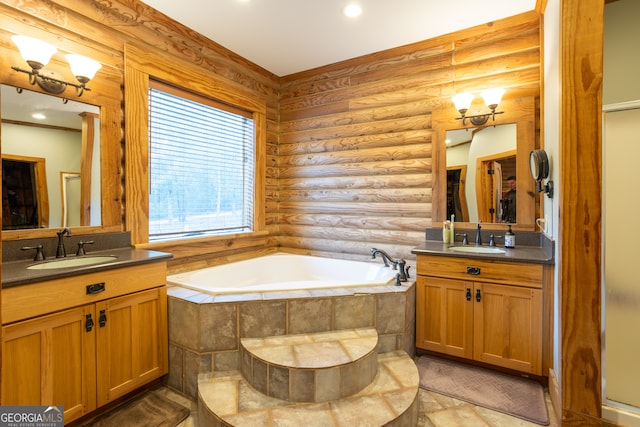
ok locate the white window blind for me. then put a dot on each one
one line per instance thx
(201, 157)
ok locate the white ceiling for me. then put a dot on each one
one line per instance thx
(288, 36)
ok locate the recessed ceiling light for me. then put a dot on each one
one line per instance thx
(38, 116)
(352, 10)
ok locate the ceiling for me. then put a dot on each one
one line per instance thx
(289, 36)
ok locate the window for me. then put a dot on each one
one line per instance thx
(201, 166)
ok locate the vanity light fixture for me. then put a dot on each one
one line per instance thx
(37, 54)
(491, 97)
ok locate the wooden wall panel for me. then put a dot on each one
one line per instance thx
(355, 143)
(349, 146)
(580, 212)
(101, 30)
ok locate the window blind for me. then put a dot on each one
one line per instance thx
(201, 168)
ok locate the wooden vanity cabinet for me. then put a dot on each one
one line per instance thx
(131, 348)
(50, 360)
(88, 355)
(489, 311)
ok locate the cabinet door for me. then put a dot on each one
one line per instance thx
(508, 327)
(46, 361)
(444, 316)
(132, 345)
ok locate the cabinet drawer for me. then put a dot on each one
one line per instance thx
(26, 301)
(479, 270)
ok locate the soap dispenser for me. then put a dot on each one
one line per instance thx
(509, 238)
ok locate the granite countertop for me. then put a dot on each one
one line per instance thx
(15, 273)
(535, 248)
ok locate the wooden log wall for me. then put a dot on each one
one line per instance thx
(355, 146)
(348, 145)
(101, 29)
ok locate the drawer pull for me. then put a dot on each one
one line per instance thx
(88, 325)
(96, 288)
(102, 319)
(478, 297)
(473, 270)
(468, 294)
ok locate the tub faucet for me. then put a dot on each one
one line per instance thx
(398, 264)
(385, 257)
(61, 251)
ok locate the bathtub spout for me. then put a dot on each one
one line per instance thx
(385, 257)
(399, 264)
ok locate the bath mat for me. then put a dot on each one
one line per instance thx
(509, 394)
(148, 410)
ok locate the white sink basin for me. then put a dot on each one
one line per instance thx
(71, 262)
(477, 249)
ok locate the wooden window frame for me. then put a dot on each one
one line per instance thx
(141, 66)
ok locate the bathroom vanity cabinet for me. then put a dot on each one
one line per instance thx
(490, 311)
(85, 340)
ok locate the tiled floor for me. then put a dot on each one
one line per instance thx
(435, 411)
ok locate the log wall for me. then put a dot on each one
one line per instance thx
(355, 144)
(349, 146)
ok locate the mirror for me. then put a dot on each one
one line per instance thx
(481, 174)
(65, 142)
(539, 165)
(506, 144)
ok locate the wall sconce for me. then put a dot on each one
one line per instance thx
(38, 53)
(491, 97)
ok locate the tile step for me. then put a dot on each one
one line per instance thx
(311, 367)
(225, 398)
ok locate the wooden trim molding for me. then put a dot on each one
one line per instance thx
(580, 209)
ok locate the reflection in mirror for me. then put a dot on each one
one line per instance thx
(70, 183)
(65, 139)
(24, 192)
(480, 163)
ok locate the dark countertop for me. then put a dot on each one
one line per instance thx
(538, 248)
(529, 254)
(16, 273)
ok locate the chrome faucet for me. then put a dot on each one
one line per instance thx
(61, 251)
(398, 264)
(478, 236)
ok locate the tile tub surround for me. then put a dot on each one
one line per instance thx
(205, 330)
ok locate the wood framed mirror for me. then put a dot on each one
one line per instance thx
(106, 95)
(520, 112)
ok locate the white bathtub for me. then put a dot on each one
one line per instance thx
(284, 272)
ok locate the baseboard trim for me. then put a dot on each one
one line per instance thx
(554, 394)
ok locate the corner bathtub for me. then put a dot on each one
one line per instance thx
(284, 272)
